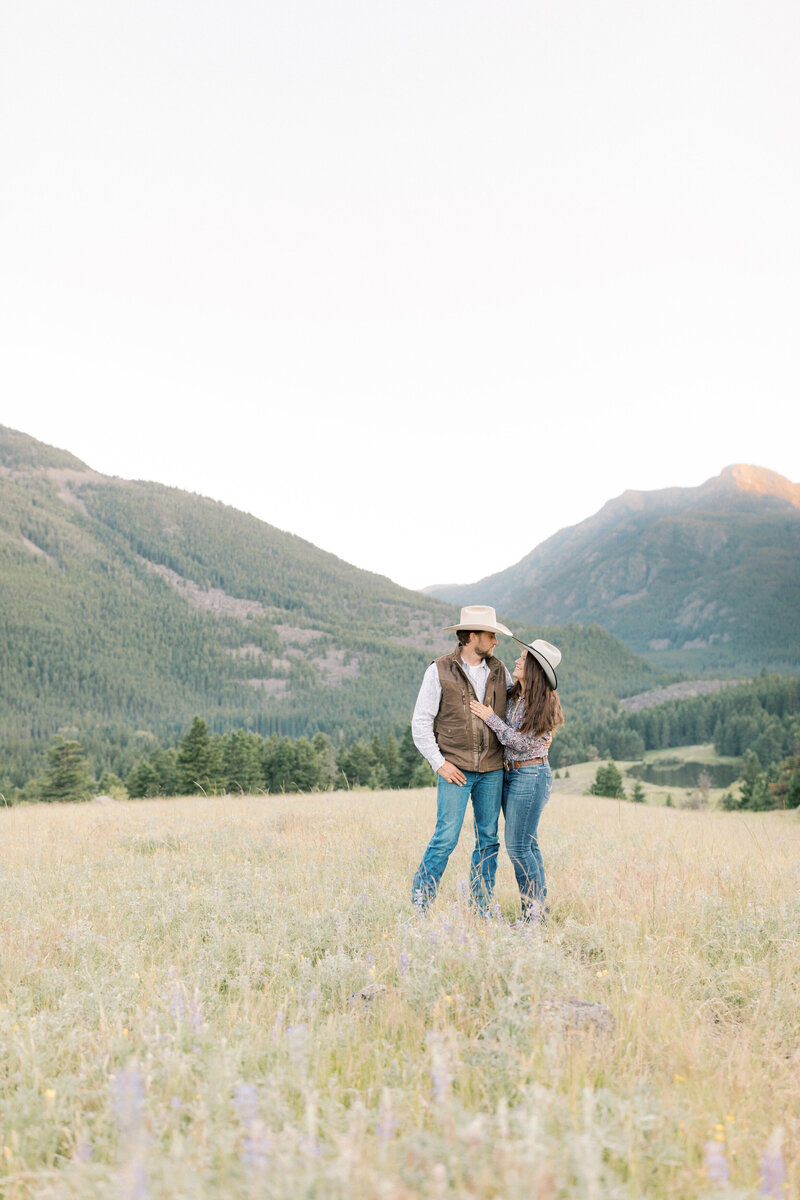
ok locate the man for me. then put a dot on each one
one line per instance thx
(463, 751)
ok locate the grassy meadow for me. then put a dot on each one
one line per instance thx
(233, 998)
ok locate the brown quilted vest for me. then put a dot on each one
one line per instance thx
(463, 738)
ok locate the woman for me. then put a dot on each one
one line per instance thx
(532, 713)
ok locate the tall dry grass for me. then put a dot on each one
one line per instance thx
(181, 1008)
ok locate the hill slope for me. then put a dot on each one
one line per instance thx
(130, 604)
(704, 578)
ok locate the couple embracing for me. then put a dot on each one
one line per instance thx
(487, 734)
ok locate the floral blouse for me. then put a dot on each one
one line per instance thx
(518, 747)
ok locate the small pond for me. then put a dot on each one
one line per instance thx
(686, 774)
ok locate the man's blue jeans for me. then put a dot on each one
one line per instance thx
(486, 789)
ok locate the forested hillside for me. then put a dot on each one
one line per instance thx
(703, 579)
(130, 606)
(761, 716)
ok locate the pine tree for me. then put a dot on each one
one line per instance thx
(608, 782)
(241, 763)
(143, 780)
(638, 793)
(326, 761)
(408, 760)
(68, 774)
(198, 766)
(754, 789)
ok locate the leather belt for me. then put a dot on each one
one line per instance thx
(515, 764)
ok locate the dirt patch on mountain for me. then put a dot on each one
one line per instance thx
(209, 599)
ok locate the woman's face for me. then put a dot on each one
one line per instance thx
(519, 667)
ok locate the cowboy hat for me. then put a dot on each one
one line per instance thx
(547, 655)
(480, 618)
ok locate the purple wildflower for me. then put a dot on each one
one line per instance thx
(245, 1101)
(195, 1014)
(715, 1162)
(441, 1078)
(127, 1100)
(138, 1182)
(297, 1041)
(773, 1167)
(387, 1122)
(177, 996)
(83, 1151)
(277, 1027)
(255, 1151)
(440, 1082)
(404, 961)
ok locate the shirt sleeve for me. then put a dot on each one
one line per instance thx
(522, 743)
(425, 710)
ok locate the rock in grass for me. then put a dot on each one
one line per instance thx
(566, 1013)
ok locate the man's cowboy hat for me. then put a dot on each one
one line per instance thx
(547, 655)
(480, 618)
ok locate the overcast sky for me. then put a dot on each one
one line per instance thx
(422, 282)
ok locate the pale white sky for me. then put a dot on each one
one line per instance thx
(422, 282)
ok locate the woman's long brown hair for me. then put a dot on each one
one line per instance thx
(542, 706)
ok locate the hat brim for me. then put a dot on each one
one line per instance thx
(479, 628)
(552, 678)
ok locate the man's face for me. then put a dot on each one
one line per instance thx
(484, 644)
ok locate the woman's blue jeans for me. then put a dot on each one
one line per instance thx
(525, 793)
(486, 790)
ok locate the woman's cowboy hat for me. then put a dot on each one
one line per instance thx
(480, 618)
(547, 655)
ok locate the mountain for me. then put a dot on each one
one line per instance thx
(695, 579)
(134, 606)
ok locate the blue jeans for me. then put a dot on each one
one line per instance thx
(525, 793)
(486, 789)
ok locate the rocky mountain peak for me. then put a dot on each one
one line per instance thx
(756, 481)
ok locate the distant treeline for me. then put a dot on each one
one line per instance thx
(759, 719)
(762, 716)
(244, 762)
(237, 762)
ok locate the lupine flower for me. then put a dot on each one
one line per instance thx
(177, 996)
(387, 1122)
(127, 1100)
(441, 1077)
(83, 1151)
(404, 961)
(245, 1101)
(195, 1014)
(773, 1167)
(255, 1145)
(715, 1162)
(137, 1183)
(128, 1103)
(297, 1041)
(255, 1151)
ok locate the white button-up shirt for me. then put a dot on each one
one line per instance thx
(427, 707)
